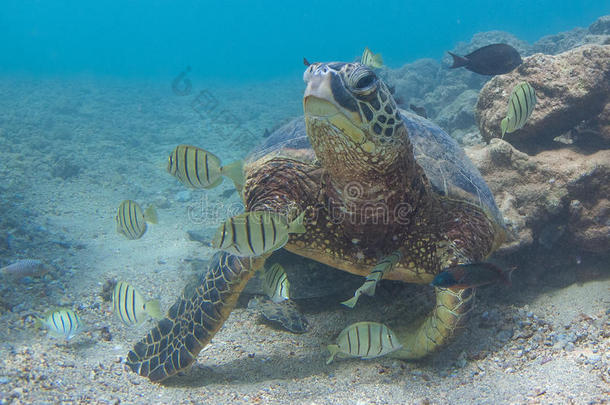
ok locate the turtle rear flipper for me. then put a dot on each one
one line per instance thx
(172, 346)
(449, 314)
(284, 313)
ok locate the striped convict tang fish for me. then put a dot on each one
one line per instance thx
(520, 106)
(62, 322)
(366, 340)
(276, 284)
(131, 220)
(255, 233)
(371, 60)
(130, 306)
(198, 168)
(384, 266)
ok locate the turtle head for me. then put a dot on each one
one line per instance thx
(351, 117)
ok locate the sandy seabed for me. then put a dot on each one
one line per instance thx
(71, 149)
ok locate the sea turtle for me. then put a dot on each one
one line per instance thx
(375, 182)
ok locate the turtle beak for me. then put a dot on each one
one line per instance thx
(318, 98)
(319, 101)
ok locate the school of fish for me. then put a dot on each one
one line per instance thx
(252, 234)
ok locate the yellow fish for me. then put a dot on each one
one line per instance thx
(131, 220)
(61, 322)
(366, 340)
(371, 60)
(198, 168)
(276, 284)
(255, 233)
(130, 306)
(520, 106)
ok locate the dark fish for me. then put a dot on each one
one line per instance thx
(421, 111)
(471, 275)
(305, 61)
(495, 59)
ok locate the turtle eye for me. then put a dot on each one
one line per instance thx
(363, 82)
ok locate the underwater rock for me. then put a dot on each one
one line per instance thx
(591, 225)
(561, 42)
(564, 41)
(563, 187)
(572, 88)
(460, 113)
(65, 168)
(413, 81)
(597, 33)
(601, 26)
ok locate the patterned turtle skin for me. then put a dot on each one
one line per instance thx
(373, 180)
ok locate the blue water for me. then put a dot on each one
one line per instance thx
(246, 39)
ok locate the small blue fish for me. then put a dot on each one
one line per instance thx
(471, 275)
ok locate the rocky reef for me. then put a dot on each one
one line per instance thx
(573, 98)
(597, 33)
(448, 94)
(550, 178)
(555, 197)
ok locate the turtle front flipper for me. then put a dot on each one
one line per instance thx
(450, 312)
(194, 319)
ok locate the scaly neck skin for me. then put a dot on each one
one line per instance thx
(376, 188)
